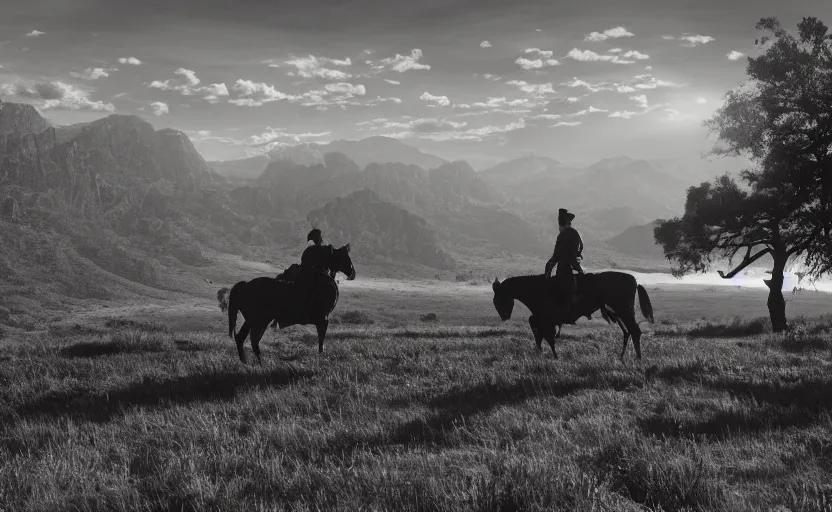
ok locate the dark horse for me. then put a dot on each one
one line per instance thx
(611, 292)
(266, 299)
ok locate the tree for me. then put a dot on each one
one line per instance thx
(782, 121)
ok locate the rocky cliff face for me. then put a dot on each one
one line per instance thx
(16, 118)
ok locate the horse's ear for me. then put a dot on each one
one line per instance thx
(347, 248)
(495, 284)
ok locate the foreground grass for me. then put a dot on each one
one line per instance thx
(127, 415)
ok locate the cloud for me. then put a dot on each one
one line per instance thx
(590, 110)
(648, 81)
(640, 100)
(672, 114)
(529, 64)
(615, 50)
(624, 114)
(576, 82)
(632, 54)
(189, 86)
(444, 130)
(565, 123)
(437, 101)
(159, 108)
(425, 125)
(489, 76)
(590, 56)
(255, 94)
(549, 117)
(485, 44)
(538, 51)
(313, 67)
(734, 55)
(611, 33)
(402, 63)
(93, 73)
(35, 33)
(701, 101)
(56, 96)
(346, 89)
(273, 137)
(690, 40)
(537, 90)
(696, 40)
(133, 61)
(394, 82)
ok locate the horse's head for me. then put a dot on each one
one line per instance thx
(503, 302)
(341, 262)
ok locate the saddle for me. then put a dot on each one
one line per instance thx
(584, 290)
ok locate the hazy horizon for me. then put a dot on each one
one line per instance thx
(475, 81)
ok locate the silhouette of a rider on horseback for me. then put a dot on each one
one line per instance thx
(567, 257)
(312, 264)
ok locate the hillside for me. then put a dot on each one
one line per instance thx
(638, 241)
(379, 230)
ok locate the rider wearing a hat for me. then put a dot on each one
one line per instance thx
(567, 256)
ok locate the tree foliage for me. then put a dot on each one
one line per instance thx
(781, 119)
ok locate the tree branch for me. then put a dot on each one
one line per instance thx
(745, 262)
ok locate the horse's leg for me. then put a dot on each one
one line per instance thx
(256, 336)
(538, 338)
(321, 325)
(635, 332)
(626, 337)
(549, 335)
(240, 339)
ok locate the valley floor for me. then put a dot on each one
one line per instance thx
(146, 407)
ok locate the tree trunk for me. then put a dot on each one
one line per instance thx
(776, 302)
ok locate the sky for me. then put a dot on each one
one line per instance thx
(479, 80)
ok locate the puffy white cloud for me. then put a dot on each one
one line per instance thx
(313, 67)
(188, 85)
(576, 82)
(133, 61)
(159, 108)
(485, 44)
(56, 95)
(543, 53)
(565, 123)
(434, 101)
(275, 136)
(624, 114)
(402, 63)
(346, 88)
(696, 40)
(641, 100)
(35, 33)
(611, 33)
(734, 55)
(93, 73)
(690, 40)
(394, 82)
(537, 90)
(590, 56)
(529, 64)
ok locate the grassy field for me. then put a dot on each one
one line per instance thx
(148, 408)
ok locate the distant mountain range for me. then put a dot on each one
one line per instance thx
(116, 204)
(379, 150)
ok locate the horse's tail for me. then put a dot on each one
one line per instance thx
(233, 307)
(645, 304)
